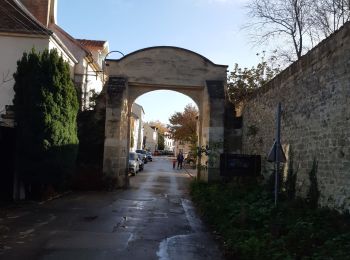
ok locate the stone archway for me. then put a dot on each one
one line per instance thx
(158, 68)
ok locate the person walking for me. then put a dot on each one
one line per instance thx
(180, 159)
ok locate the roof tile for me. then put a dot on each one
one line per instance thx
(14, 17)
(95, 44)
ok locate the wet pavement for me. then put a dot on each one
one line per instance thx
(154, 219)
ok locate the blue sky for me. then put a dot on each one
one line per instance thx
(211, 28)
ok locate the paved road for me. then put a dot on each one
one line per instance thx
(154, 219)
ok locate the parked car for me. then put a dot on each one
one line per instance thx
(144, 154)
(141, 162)
(190, 158)
(149, 156)
(170, 153)
(133, 163)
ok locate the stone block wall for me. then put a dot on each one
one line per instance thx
(116, 148)
(315, 97)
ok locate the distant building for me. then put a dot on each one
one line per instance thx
(150, 138)
(136, 127)
(169, 143)
(182, 146)
(28, 24)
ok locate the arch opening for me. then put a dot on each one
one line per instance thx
(163, 68)
(153, 110)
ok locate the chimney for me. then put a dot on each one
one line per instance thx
(53, 12)
(43, 10)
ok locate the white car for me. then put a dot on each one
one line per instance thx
(141, 162)
(133, 163)
(144, 154)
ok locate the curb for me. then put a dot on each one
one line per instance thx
(56, 197)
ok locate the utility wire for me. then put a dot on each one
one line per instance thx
(26, 17)
(22, 13)
(4, 11)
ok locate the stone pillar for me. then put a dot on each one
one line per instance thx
(216, 92)
(199, 130)
(233, 130)
(115, 162)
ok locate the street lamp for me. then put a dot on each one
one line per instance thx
(104, 62)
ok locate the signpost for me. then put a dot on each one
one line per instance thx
(276, 153)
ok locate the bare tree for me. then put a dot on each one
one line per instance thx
(329, 15)
(6, 77)
(286, 20)
(295, 26)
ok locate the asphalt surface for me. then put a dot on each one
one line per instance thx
(154, 219)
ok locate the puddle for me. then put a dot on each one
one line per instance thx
(176, 211)
(140, 200)
(158, 215)
(162, 253)
(178, 247)
(195, 223)
(12, 217)
(90, 218)
(191, 246)
(194, 245)
(27, 232)
(120, 224)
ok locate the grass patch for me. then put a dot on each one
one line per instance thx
(252, 228)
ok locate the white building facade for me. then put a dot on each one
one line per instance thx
(136, 127)
(150, 139)
(182, 147)
(169, 143)
(31, 24)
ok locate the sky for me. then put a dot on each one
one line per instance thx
(212, 28)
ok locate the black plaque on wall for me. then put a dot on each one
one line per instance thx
(232, 165)
(116, 85)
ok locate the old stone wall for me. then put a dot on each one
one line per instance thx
(117, 130)
(315, 97)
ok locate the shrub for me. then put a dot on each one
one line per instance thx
(313, 193)
(46, 107)
(253, 228)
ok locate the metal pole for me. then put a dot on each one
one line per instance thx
(104, 62)
(278, 144)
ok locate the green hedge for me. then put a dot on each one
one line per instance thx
(252, 228)
(46, 108)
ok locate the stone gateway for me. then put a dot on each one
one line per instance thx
(163, 68)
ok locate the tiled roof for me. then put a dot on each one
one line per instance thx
(15, 18)
(72, 44)
(92, 43)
